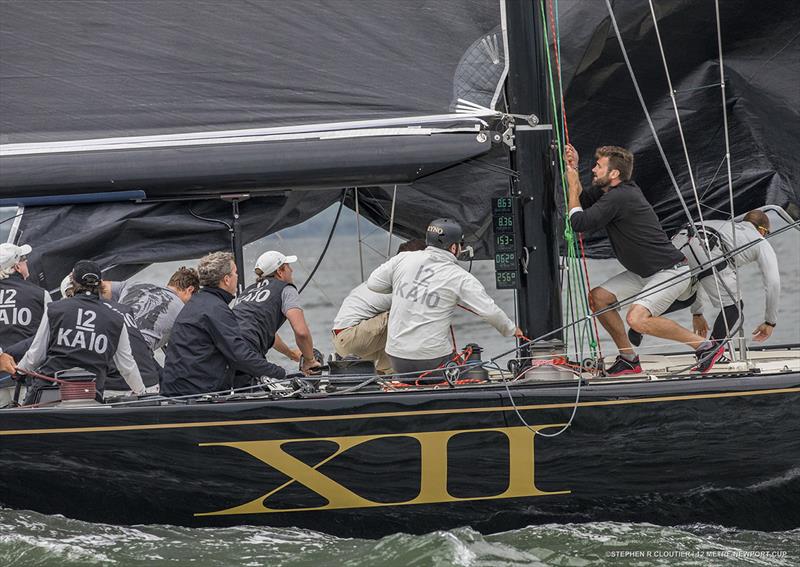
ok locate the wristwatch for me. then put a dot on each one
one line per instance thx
(769, 324)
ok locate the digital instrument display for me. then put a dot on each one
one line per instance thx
(504, 242)
(502, 205)
(505, 261)
(503, 222)
(505, 219)
(506, 279)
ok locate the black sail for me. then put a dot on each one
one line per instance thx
(179, 100)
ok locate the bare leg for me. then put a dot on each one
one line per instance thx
(640, 319)
(601, 298)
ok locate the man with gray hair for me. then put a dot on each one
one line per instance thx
(206, 347)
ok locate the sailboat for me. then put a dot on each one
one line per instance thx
(140, 134)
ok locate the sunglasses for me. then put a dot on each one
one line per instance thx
(765, 229)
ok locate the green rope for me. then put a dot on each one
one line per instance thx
(576, 289)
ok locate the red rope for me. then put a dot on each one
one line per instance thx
(566, 139)
(589, 287)
(558, 68)
(70, 390)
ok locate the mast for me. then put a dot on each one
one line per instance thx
(539, 296)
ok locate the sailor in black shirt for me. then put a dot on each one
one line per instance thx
(22, 303)
(141, 348)
(81, 331)
(265, 305)
(206, 346)
(616, 203)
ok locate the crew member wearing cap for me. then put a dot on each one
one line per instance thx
(361, 323)
(22, 302)
(82, 332)
(264, 306)
(426, 287)
(206, 347)
(149, 369)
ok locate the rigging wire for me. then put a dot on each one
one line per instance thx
(11, 218)
(644, 109)
(327, 243)
(222, 222)
(742, 345)
(703, 240)
(692, 230)
(577, 288)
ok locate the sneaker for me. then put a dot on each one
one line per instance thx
(634, 337)
(706, 358)
(622, 367)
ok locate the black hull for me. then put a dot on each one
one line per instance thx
(723, 451)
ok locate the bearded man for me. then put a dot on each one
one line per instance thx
(656, 272)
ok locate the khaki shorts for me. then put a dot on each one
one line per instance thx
(657, 300)
(367, 340)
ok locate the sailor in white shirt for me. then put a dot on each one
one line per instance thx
(361, 323)
(719, 235)
(426, 287)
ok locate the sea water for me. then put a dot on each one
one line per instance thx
(29, 538)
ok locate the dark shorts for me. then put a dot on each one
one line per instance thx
(405, 366)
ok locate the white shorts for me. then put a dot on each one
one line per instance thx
(658, 299)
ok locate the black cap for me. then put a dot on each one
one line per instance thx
(442, 233)
(86, 273)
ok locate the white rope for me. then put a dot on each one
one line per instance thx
(742, 342)
(646, 112)
(693, 230)
(358, 234)
(675, 108)
(391, 223)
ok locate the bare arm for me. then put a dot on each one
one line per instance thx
(302, 335)
(286, 350)
(7, 363)
(574, 189)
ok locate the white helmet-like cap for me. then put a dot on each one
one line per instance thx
(66, 284)
(270, 261)
(11, 254)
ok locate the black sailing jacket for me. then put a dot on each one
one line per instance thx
(206, 347)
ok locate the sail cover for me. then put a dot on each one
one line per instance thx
(187, 99)
(761, 53)
(178, 74)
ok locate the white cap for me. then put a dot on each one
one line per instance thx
(66, 283)
(270, 261)
(11, 253)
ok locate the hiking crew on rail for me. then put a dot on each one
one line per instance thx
(718, 280)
